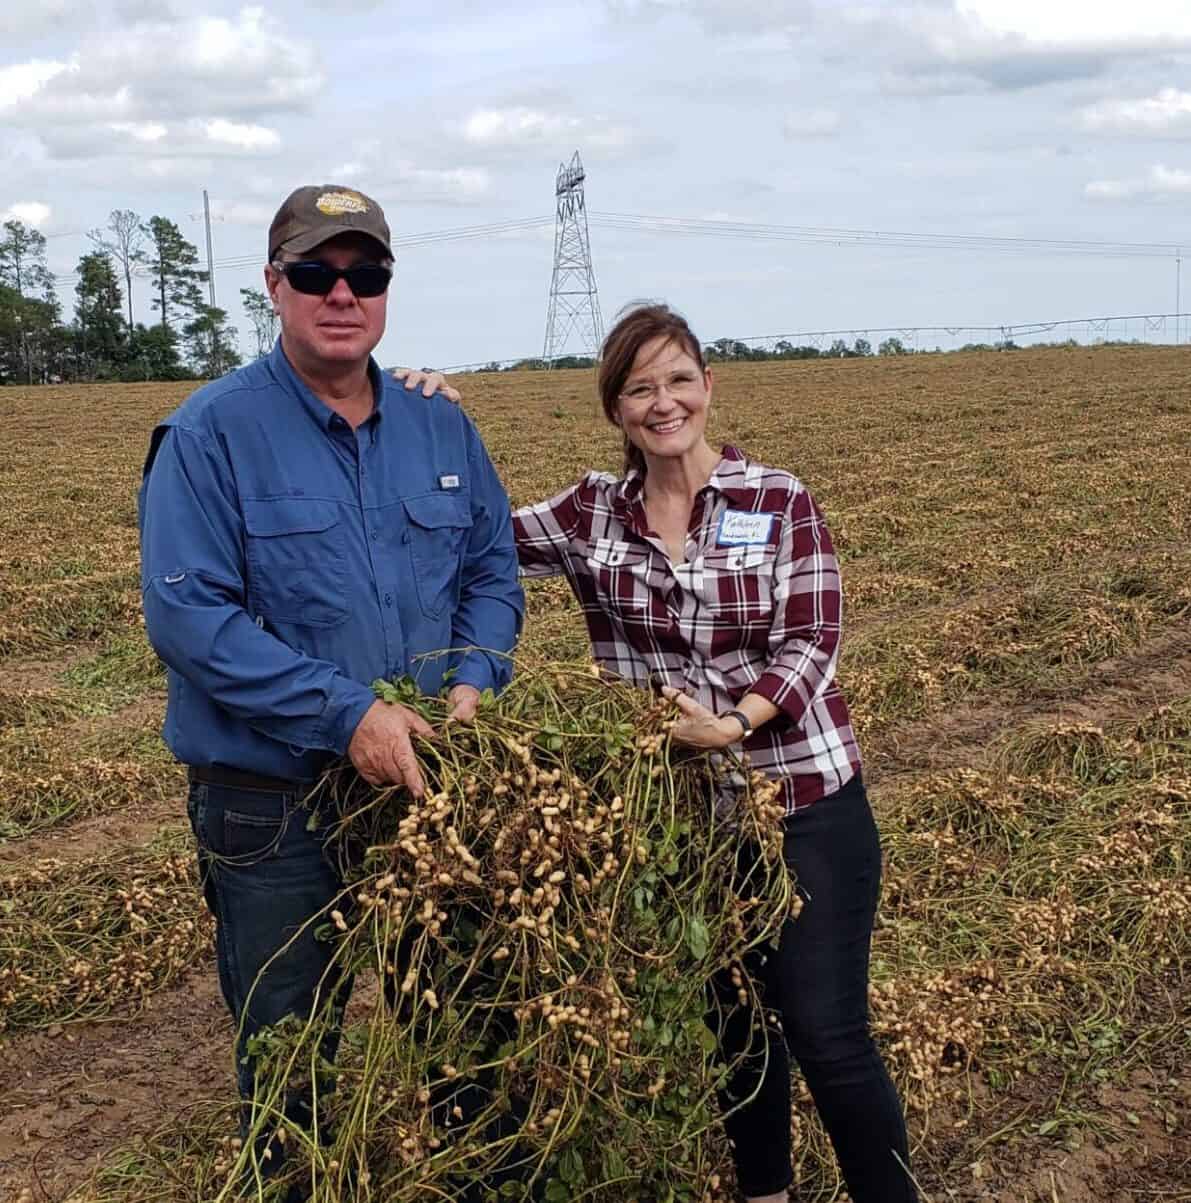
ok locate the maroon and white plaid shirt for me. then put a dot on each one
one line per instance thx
(755, 607)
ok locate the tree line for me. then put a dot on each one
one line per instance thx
(102, 338)
(732, 350)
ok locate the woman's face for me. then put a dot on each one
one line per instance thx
(664, 402)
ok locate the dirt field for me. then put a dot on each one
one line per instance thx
(1015, 532)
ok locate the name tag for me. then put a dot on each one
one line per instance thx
(448, 482)
(741, 528)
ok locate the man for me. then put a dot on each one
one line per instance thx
(307, 526)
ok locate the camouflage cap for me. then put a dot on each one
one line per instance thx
(312, 214)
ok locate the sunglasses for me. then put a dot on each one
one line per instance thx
(316, 279)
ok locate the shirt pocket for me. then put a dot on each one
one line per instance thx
(297, 572)
(438, 526)
(620, 572)
(736, 583)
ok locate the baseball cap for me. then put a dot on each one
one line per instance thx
(312, 214)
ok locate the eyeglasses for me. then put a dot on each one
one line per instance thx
(680, 384)
(316, 279)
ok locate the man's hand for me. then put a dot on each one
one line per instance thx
(381, 748)
(464, 700)
(699, 727)
(431, 382)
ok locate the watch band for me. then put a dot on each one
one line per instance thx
(742, 719)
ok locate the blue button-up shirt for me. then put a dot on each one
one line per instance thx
(287, 561)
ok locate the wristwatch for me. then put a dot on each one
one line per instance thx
(746, 728)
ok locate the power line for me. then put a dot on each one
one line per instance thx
(454, 234)
(839, 236)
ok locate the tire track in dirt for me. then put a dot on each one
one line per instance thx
(95, 835)
(1121, 687)
(74, 1093)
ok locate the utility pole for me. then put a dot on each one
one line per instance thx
(574, 302)
(1178, 295)
(216, 357)
(210, 256)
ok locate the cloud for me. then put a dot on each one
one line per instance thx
(377, 170)
(1159, 182)
(24, 22)
(978, 46)
(32, 213)
(812, 123)
(517, 127)
(241, 136)
(950, 46)
(23, 80)
(1164, 115)
(154, 70)
(1076, 22)
(244, 213)
(210, 139)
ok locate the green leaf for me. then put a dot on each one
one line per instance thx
(1047, 1127)
(614, 1166)
(556, 1191)
(697, 939)
(570, 1167)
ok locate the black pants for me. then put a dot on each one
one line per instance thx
(818, 982)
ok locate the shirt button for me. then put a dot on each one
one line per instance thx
(375, 534)
(260, 622)
(388, 599)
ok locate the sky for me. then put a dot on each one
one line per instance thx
(1034, 119)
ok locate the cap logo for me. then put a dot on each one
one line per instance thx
(336, 204)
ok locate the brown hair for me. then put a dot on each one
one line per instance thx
(638, 324)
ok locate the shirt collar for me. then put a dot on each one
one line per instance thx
(730, 475)
(320, 411)
(727, 478)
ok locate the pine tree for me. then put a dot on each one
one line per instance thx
(212, 342)
(99, 324)
(33, 304)
(176, 278)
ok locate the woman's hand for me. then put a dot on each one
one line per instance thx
(699, 727)
(431, 382)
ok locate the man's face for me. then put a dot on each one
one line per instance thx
(339, 328)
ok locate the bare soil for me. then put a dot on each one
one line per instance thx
(73, 1094)
(101, 833)
(1122, 687)
(29, 673)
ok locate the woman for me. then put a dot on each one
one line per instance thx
(714, 576)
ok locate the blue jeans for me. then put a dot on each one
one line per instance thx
(264, 875)
(818, 981)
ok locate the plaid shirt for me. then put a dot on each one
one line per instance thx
(755, 607)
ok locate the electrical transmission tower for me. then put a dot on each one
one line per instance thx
(574, 302)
